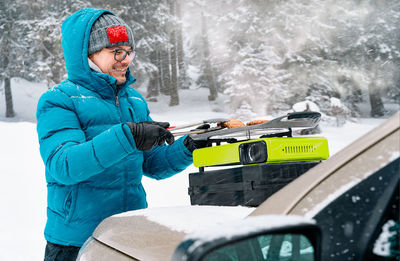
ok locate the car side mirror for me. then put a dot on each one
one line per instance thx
(255, 238)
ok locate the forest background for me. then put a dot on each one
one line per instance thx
(264, 56)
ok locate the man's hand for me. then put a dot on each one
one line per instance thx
(148, 134)
(192, 144)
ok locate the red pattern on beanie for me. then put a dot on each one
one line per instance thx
(117, 34)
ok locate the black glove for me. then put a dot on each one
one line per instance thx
(192, 144)
(148, 134)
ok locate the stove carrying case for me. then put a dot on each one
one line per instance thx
(267, 165)
(245, 186)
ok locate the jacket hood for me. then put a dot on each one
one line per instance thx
(75, 32)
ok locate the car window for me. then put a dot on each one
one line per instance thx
(351, 222)
(384, 243)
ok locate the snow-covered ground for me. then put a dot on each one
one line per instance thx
(23, 187)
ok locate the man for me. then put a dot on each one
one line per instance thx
(96, 136)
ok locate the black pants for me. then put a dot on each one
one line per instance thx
(56, 252)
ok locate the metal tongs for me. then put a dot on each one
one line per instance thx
(202, 127)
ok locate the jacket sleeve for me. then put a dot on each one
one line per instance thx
(167, 160)
(68, 156)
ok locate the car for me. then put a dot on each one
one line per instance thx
(345, 208)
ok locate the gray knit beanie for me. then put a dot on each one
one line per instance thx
(107, 31)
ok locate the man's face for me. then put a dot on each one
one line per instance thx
(104, 59)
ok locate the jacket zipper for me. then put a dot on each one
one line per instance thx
(116, 97)
(125, 196)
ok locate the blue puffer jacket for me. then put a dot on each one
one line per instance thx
(93, 168)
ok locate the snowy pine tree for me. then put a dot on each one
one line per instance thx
(266, 55)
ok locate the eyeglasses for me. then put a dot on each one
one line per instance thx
(120, 54)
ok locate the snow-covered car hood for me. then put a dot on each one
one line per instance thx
(158, 231)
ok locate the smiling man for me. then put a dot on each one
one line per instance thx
(111, 47)
(113, 61)
(96, 136)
